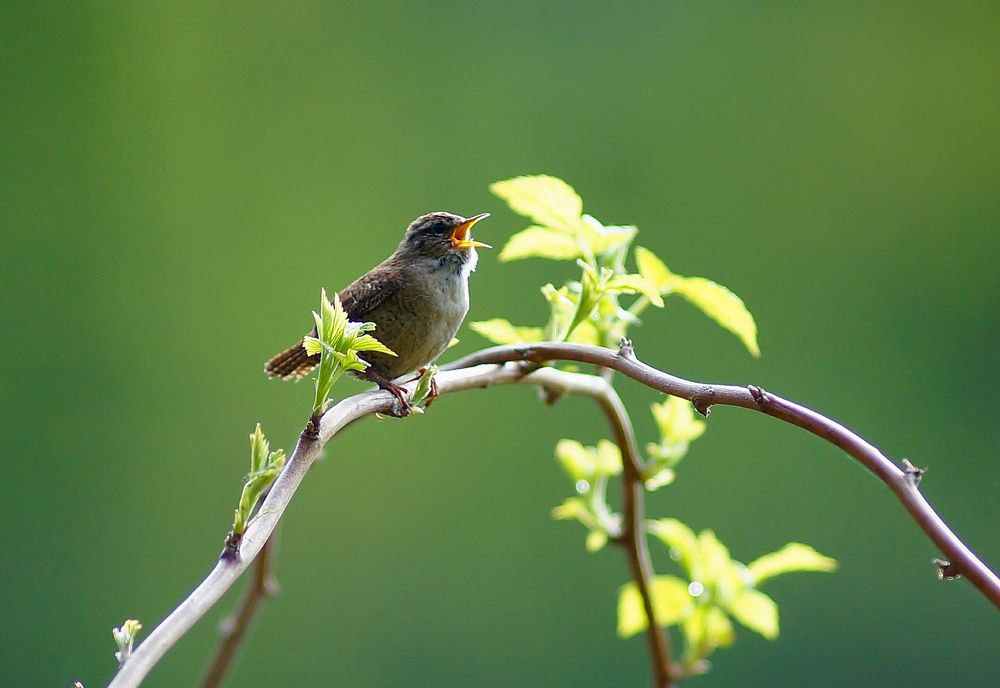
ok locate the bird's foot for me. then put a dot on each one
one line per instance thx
(402, 408)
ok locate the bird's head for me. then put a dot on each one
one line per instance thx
(443, 236)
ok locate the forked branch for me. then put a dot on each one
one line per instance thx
(497, 366)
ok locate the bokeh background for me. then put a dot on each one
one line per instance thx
(178, 180)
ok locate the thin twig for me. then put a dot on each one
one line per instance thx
(962, 561)
(237, 625)
(633, 535)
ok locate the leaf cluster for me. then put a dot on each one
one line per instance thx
(338, 342)
(588, 310)
(716, 589)
(125, 637)
(265, 465)
(598, 308)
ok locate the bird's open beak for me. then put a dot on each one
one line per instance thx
(460, 235)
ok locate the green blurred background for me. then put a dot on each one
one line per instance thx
(177, 181)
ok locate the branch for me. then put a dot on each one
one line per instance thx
(226, 572)
(472, 372)
(235, 627)
(633, 536)
(903, 483)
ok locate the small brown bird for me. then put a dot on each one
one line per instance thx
(417, 298)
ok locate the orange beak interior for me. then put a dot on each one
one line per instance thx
(460, 235)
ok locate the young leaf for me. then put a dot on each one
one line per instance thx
(312, 345)
(653, 269)
(549, 201)
(718, 628)
(541, 242)
(717, 302)
(500, 331)
(604, 239)
(671, 603)
(676, 420)
(678, 428)
(609, 458)
(125, 637)
(723, 306)
(573, 507)
(366, 342)
(596, 539)
(636, 284)
(756, 611)
(713, 555)
(792, 557)
(678, 537)
(578, 461)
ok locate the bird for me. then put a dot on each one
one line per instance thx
(417, 298)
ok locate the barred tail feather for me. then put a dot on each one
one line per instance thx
(293, 363)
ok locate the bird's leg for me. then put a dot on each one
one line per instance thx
(403, 408)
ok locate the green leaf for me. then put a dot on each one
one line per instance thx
(723, 306)
(718, 628)
(756, 611)
(679, 538)
(541, 242)
(500, 331)
(714, 557)
(588, 463)
(125, 637)
(677, 421)
(312, 345)
(633, 284)
(671, 604)
(604, 239)
(678, 427)
(548, 201)
(609, 458)
(660, 478)
(576, 460)
(366, 342)
(572, 508)
(596, 539)
(259, 447)
(653, 269)
(717, 302)
(792, 557)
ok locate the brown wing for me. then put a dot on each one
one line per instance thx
(359, 299)
(368, 291)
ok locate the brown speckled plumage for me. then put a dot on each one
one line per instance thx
(417, 299)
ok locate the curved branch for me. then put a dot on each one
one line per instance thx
(903, 483)
(226, 572)
(633, 536)
(473, 372)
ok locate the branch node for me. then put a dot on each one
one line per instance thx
(310, 433)
(625, 349)
(702, 400)
(530, 353)
(758, 394)
(912, 474)
(550, 395)
(231, 548)
(947, 570)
